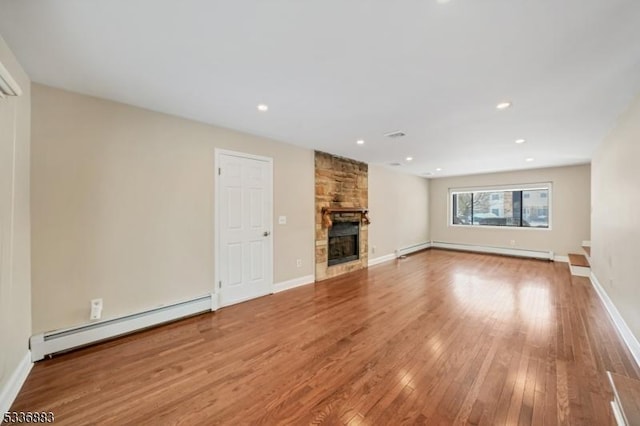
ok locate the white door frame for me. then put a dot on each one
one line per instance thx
(216, 225)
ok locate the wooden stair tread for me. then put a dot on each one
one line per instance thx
(587, 249)
(627, 392)
(578, 260)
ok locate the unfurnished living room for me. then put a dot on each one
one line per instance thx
(320, 212)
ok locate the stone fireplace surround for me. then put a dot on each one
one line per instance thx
(342, 195)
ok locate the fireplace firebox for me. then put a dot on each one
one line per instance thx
(343, 242)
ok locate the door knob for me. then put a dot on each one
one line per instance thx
(266, 233)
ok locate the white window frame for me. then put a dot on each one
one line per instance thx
(491, 188)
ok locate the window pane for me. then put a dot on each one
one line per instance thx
(536, 208)
(500, 208)
(462, 209)
(526, 208)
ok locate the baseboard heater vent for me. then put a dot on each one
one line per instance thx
(535, 254)
(62, 340)
(412, 249)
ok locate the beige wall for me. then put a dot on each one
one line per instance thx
(399, 211)
(122, 202)
(615, 220)
(569, 212)
(15, 269)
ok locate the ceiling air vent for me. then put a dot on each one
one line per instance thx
(396, 134)
(8, 86)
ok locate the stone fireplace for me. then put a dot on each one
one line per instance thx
(341, 215)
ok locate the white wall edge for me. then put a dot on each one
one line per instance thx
(564, 259)
(293, 283)
(61, 340)
(381, 259)
(11, 389)
(11, 88)
(536, 254)
(619, 322)
(412, 249)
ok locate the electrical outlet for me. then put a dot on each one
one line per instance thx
(282, 220)
(299, 263)
(96, 309)
(513, 242)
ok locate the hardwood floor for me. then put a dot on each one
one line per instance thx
(438, 338)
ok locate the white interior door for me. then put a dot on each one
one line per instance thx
(244, 228)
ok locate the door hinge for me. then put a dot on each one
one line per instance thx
(219, 284)
(219, 171)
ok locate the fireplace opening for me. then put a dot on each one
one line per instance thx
(343, 242)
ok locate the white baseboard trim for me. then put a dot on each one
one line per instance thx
(381, 259)
(617, 414)
(616, 404)
(618, 321)
(412, 249)
(400, 252)
(296, 282)
(564, 259)
(536, 254)
(61, 340)
(580, 271)
(11, 389)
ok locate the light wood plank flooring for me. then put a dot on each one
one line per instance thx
(438, 338)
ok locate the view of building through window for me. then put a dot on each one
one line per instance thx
(521, 208)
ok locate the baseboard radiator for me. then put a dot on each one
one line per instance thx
(535, 254)
(412, 249)
(63, 340)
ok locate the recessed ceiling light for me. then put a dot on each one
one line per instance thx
(427, 174)
(409, 158)
(520, 141)
(263, 107)
(360, 142)
(528, 160)
(443, 1)
(439, 169)
(503, 105)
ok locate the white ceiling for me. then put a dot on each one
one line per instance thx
(334, 71)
